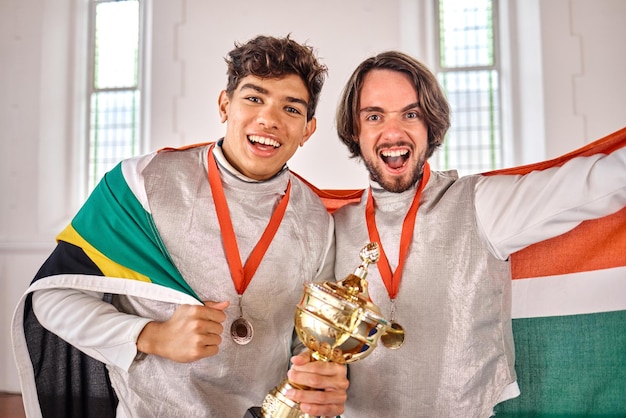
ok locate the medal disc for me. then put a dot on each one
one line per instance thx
(241, 331)
(394, 337)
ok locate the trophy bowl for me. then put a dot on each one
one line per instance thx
(336, 326)
(337, 322)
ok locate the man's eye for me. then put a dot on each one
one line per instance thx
(373, 117)
(254, 99)
(292, 110)
(414, 115)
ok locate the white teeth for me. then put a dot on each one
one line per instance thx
(263, 140)
(395, 153)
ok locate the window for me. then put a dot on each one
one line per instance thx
(114, 84)
(468, 69)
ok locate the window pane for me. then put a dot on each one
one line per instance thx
(113, 134)
(116, 44)
(473, 141)
(466, 33)
(469, 74)
(114, 122)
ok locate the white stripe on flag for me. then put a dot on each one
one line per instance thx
(132, 169)
(570, 294)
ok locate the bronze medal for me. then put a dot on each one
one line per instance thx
(241, 331)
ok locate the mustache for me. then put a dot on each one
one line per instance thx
(399, 144)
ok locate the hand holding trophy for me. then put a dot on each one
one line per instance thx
(337, 322)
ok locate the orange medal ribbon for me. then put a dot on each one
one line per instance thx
(392, 281)
(241, 275)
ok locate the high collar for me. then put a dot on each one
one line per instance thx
(387, 201)
(218, 152)
(233, 179)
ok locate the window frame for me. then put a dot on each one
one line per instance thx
(87, 178)
(500, 66)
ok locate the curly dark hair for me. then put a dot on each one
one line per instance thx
(434, 105)
(271, 57)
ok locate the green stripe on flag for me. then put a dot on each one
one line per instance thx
(115, 223)
(570, 366)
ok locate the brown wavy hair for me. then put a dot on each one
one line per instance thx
(271, 57)
(432, 100)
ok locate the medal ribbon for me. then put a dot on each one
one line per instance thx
(392, 281)
(241, 275)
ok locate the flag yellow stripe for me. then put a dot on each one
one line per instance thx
(108, 267)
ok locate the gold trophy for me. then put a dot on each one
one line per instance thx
(337, 322)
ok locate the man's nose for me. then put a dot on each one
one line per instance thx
(268, 116)
(392, 128)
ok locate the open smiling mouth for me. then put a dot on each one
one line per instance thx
(261, 140)
(395, 159)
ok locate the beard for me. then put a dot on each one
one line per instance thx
(395, 184)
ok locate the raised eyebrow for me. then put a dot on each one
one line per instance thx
(378, 109)
(415, 105)
(372, 109)
(254, 87)
(261, 90)
(297, 100)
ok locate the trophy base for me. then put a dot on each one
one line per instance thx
(254, 412)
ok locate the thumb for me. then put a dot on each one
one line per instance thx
(217, 305)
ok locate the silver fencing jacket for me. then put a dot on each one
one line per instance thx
(453, 302)
(179, 197)
(238, 377)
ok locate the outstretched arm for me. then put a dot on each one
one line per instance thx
(514, 211)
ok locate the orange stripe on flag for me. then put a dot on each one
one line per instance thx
(184, 147)
(334, 199)
(605, 145)
(592, 245)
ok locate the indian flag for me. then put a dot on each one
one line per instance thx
(569, 323)
(569, 315)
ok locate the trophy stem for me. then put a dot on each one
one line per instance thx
(277, 405)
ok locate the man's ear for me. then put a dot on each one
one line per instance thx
(223, 102)
(310, 128)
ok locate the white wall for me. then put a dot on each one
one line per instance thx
(584, 81)
(568, 84)
(186, 88)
